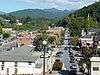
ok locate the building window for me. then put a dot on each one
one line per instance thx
(2, 66)
(95, 68)
(16, 70)
(2, 62)
(30, 63)
(7, 71)
(15, 64)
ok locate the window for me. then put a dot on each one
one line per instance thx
(2, 66)
(95, 68)
(7, 71)
(30, 63)
(2, 62)
(16, 70)
(15, 64)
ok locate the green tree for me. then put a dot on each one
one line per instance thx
(51, 39)
(6, 35)
(75, 40)
(87, 51)
(12, 19)
(39, 39)
(0, 29)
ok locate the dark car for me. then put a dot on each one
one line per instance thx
(65, 48)
(59, 54)
(72, 58)
(71, 61)
(78, 55)
(69, 43)
(70, 54)
(73, 72)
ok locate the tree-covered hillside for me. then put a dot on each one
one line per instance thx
(85, 18)
(40, 13)
(91, 10)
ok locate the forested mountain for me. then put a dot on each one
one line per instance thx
(40, 13)
(85, 18)
(91, 10)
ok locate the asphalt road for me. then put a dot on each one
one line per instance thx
(65, 59)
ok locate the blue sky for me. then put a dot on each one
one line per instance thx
(13, 5)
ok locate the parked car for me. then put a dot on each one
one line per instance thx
(59, 54)
(65, 48)
(71, 61)
(78, 55)
(70, 53)
(73, 72)
(73, 67)
(71, 56)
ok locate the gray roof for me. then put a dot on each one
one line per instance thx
(94, 30)
(86, 36)
(22, 54)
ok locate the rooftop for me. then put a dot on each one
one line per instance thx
(95, 59)
(22, 54)
(87, 36)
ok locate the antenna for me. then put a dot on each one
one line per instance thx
(88, 16)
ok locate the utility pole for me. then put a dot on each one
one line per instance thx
(44, 62)
(44, 49)
(88, 16)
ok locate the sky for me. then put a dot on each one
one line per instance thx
(14, 5)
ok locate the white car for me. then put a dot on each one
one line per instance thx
(73, 67)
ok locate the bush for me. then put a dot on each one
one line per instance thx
(57, 66)
(75, 40)
(6, 35)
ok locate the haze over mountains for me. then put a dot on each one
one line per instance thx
(1, 13)
(40, 13)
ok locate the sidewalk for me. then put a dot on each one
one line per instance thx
(53, 73)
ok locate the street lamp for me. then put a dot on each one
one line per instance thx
(44, 44)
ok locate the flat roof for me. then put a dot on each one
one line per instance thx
(95, 59)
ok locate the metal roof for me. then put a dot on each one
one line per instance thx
(22, 54)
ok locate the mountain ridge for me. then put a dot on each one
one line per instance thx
(1, 12)
(38, 13)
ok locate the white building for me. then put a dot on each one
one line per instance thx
(19, 24)
(86, 39)
(83, 33)
(95, 65)
(20, 61)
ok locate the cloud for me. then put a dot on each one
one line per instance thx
(60, 4)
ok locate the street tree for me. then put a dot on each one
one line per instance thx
(6, 35)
